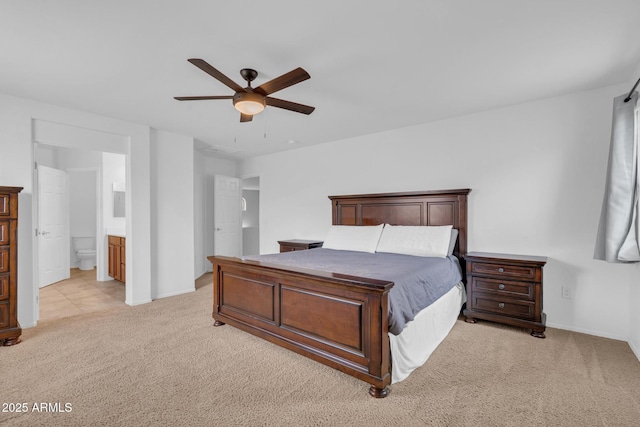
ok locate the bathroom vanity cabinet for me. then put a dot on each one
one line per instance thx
(117, 265)
(10, 330)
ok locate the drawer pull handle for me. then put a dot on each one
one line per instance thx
(501, 270)
(501, 305)
(501, 286)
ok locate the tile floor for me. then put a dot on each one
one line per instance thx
(80, 294)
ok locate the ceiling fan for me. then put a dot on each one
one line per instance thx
(250, 101)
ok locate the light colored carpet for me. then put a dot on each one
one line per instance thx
(164, 363)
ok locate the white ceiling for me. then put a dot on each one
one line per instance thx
(374, 65)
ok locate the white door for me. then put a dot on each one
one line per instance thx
(227, 216)
(53, 226)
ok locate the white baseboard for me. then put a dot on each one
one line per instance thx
(137, 302)
(635, 350)
(173, 294)
(587, 331)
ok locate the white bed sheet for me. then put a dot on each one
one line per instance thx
(424, 333)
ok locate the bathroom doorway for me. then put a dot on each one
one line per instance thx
(86, 287)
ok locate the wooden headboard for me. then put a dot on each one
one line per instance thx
(445, 207)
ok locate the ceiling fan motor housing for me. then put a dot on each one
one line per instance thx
(249, 102)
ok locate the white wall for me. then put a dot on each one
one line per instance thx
(634, 316)
(537, 174)
(172, 225)
(82, 203)
(46, 156)
(199, 260)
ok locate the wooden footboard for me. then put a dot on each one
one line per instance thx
(341, 321)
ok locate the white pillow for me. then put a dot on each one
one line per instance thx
(452, 242)
(353, 237)
(431, 241)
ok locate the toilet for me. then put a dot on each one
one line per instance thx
(85, 248)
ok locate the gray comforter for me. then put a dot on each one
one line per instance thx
(419, 281)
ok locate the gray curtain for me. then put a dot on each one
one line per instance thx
(617, 233)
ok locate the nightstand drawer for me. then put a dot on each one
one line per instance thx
(4, 260)
(506, 270)
(4, 314)
(507, 288)
(5, 238)
(505, 307)
(5, 204)
(4, 286)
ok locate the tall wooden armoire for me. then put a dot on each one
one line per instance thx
(10, 330)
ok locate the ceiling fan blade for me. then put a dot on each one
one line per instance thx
(288, 105)
(289, 79)
(198, 98)
(245, 117)
(204, 66)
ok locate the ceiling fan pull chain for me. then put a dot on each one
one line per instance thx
(265, 124)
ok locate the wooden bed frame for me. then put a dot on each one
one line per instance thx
(338, 320)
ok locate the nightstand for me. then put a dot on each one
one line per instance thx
(507, 289)
(299, 245)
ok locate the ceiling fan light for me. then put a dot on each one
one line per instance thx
(249, 103)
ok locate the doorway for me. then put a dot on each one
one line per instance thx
(223, 204)
(251, 216)
(85, 286)
(227, 216)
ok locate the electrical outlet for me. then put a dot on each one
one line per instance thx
(566, 292)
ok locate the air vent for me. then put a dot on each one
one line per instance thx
(221, 150)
